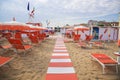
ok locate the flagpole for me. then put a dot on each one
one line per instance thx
(28, 8)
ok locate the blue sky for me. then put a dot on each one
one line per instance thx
(60, 12)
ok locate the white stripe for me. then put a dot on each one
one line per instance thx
(60, 60)
(59, 45)
(60, 50)
(60, 70)
(59, 54)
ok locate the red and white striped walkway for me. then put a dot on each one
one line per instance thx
(60, 67)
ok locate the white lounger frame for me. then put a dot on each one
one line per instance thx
(104, 65)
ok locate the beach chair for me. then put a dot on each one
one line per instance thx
(5, 47)
(4, 60)
(42, 36)
(82, 44)
(86, 43)
(18, 35)
(17, 44)
(76, 38)
(7, 35)
(88, 38)
(34, 38)
(99, 44)
(105, 61)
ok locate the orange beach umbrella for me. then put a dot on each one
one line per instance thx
(81, 28)
(13, 25)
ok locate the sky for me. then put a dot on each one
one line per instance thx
(60, 12)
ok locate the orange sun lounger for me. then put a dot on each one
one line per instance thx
(104, 61)
(82, 44)
(17, 44)
(4, 60)
(5, 47)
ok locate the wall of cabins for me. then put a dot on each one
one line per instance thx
(107, 33)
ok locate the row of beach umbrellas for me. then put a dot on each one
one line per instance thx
(14, 25)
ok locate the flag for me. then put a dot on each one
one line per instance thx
(28, 6)
(33, 11)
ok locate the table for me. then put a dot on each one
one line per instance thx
(118, 56)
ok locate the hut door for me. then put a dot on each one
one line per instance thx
(95, 33)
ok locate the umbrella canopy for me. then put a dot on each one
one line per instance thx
(81, 28)
(13, 25)
(37, 28)
(34, 27)
(44, 28)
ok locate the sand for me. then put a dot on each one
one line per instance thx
(33, 66)
(88, 69)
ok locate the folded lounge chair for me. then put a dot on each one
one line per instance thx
(88, 38)
(4, 60)
(76, 38)
(5, 47)
(105, 61)
(34, 39)
(17, 44)
(99, 44)
(18, 35)
(82, 44)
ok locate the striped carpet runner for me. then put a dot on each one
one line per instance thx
(60, 67)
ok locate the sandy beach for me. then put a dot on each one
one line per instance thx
(88, 69)
(33, 66)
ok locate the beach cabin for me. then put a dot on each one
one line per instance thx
(105, 33)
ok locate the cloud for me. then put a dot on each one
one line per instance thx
(58, 10)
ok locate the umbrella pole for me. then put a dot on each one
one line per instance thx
(77, 32)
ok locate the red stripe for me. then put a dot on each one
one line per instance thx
(60, 57)
(61, 77)
(105, 30)
(61, 64)
(101, 36)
